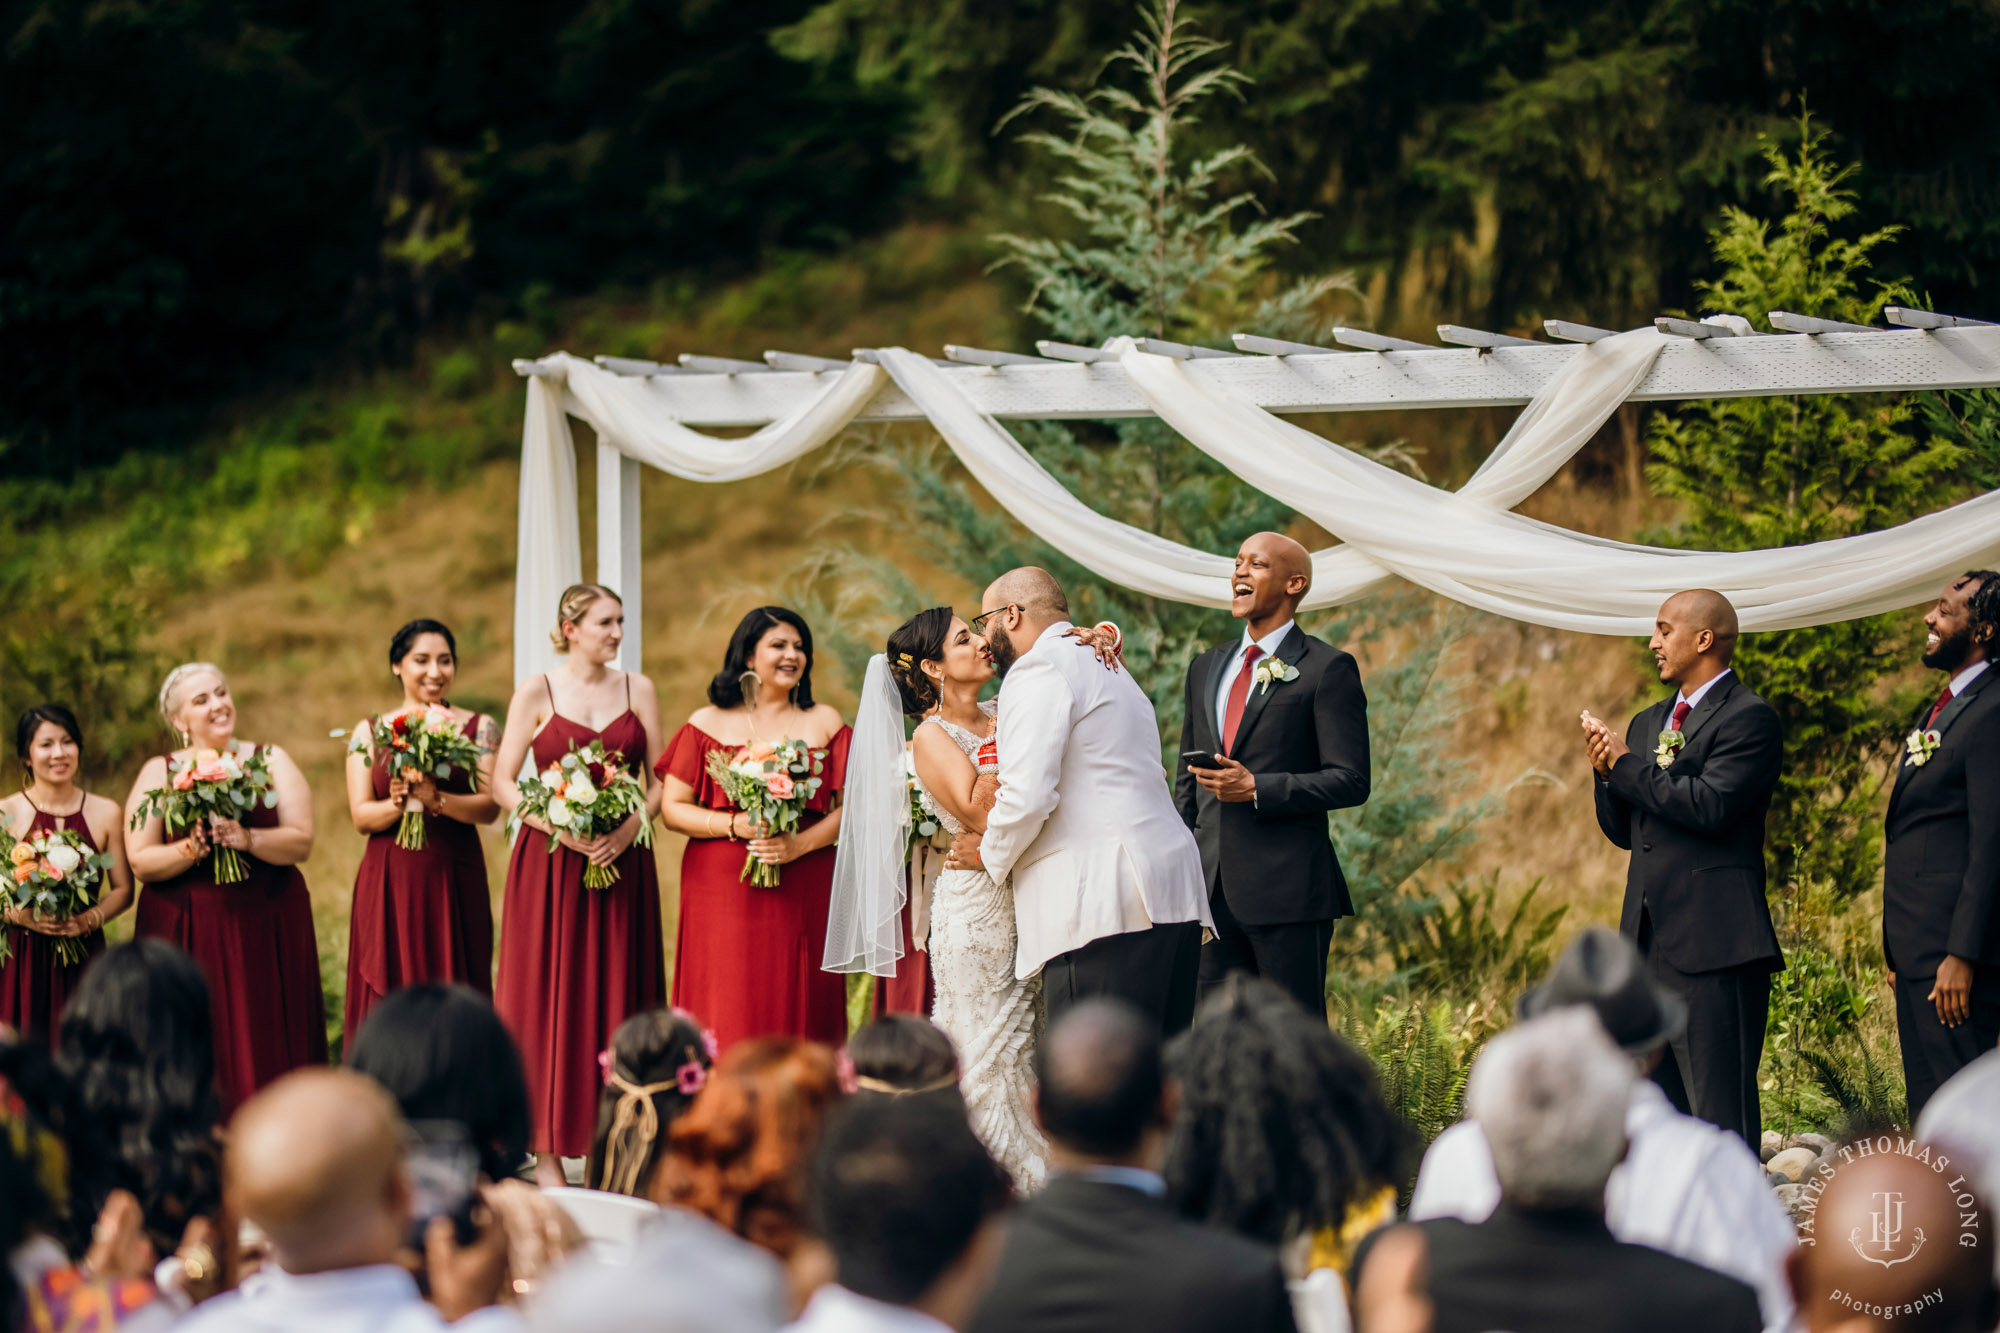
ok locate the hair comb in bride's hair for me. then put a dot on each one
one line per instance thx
(905, 661)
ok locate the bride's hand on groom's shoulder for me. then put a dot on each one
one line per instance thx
(1104, 640)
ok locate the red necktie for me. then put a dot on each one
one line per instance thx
(1681, 711)
(1937, 708)
(1239, 694)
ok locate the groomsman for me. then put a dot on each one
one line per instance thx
(1274, 735)
(1941, 869)
(1686, 792)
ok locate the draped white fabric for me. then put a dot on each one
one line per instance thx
(1466, 545)
(864, 924)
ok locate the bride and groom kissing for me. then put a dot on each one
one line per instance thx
(1071, 875)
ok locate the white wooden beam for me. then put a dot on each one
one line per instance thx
(723, 365)
(1567, 332)
(1907, 318)
(1688, 328)
(1370, 341)
(979, 356)
(1791, 323)
(618, 555)
(625, 365)
(1250, 342)
(1179, 351)
(1071, 352)
(809, 364)
(1463, 337)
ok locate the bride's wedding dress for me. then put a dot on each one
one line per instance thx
(991, 1016)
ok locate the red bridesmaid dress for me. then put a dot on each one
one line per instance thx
(419, 916)
(34, 984)
(576, 962)
(255, 944)
(748, 960)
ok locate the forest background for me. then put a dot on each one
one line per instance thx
(263, 265)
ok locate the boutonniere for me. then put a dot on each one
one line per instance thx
(1671, 743)
(1921, 745)
(1270, 669)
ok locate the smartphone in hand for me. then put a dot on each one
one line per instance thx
(444, 1179)
(1201, 759)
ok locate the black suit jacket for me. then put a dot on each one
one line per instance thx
(1696, 829)
(1558, 1272)
(1086, 1256)
(1941, 868)
(1306, 740)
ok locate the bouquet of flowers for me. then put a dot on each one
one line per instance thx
(771, 784)
(925, 831)
(207, 785)
(53, 874)
(586, 794)
(429, 742)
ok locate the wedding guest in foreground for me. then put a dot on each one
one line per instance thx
(1285, 718)
(1550, 1095)
(36, 979)
(1685, 791)
(909, 1202)
(1100, 1250)
(252, 937)
(1941, 865)
(654, 1068)
(747, 958)
(420, 914)
(316, 1163)
(902, 1055)
(575, 962)
(1684, 1187)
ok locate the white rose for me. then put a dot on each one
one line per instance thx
(581, 792)
(551, 776)
(64, 857)
(559, 813)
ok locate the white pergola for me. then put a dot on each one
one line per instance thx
(1720, 357)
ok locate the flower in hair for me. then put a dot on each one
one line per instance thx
(844, 1070)
(604, 1070)
(710, 1044)
(691, 1078)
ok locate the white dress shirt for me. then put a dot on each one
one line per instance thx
(687, 1275)
(1966, 676)
(1685, 1187)
(835, 1309)
(378, 1299)
(1234, 668)
(1693, 701)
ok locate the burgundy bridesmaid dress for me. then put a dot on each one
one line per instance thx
(748, 959)
(419, 916)
(34, 984)
(255, 944)
(576, 962)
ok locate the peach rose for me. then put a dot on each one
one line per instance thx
(779, 785)
(22, 854)
(212, 770)
(184, 778)
(21, 874)
(53, 871)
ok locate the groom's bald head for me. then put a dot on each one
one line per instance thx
(1020, 604)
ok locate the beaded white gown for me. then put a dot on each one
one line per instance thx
(992, 1017)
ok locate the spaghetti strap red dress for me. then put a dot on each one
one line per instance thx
(255, 944)
(34, 983)
(423, 915)
(747, 962)
(576, 962)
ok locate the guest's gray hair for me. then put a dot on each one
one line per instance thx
(1551, 1095)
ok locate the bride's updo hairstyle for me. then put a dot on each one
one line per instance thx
(576, 600)
(918, 640)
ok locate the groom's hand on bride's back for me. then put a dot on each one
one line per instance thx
(964, 853)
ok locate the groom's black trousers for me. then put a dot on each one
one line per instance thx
(1153, 970)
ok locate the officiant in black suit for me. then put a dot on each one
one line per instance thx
(1941, 867)
(1279, 724)
(1686, 791)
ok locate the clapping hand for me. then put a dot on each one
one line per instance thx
(1604, 746)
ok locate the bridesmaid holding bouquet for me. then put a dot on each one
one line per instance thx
(576, 962)
(35, 982)
(253, 936)
(748, 957)
(420, 914)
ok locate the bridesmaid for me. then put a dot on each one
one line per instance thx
(254, 940)
(577, 962)
(420, 915)
(748, 959)
(34, 984)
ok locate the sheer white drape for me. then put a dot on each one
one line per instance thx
(864, 923)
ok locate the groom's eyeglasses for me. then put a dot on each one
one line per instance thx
(979, 622)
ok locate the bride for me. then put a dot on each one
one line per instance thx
(934, 669)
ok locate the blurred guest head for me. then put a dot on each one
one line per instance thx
(900, 1055)
(1550, 1096)
(1894, 1243)
(906, 1196)
(656, 1064)
(443, 1054)
(1102, 1095)
(136, 1048)
(1961, 1119)
(1282, 1127)
(738, 1155)
(1601, 970)
(316, 1161)
(775, 645)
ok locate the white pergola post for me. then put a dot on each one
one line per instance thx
(618, 553)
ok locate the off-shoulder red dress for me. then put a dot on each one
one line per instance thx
(576, 962)
(34, 983)
(747, 960)
(423, 915)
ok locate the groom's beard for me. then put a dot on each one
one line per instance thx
(1002, 649)
(1949, 655)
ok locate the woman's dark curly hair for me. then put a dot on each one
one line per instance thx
(918, 640)
(726, 690)
(1282, 1126)
(136, 1048)
(648, 1050)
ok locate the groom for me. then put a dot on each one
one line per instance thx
(1108, 889)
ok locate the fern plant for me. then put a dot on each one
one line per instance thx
(1867, 1091)
(1423, 1053)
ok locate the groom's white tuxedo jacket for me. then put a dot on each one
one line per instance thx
(1084, 821)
